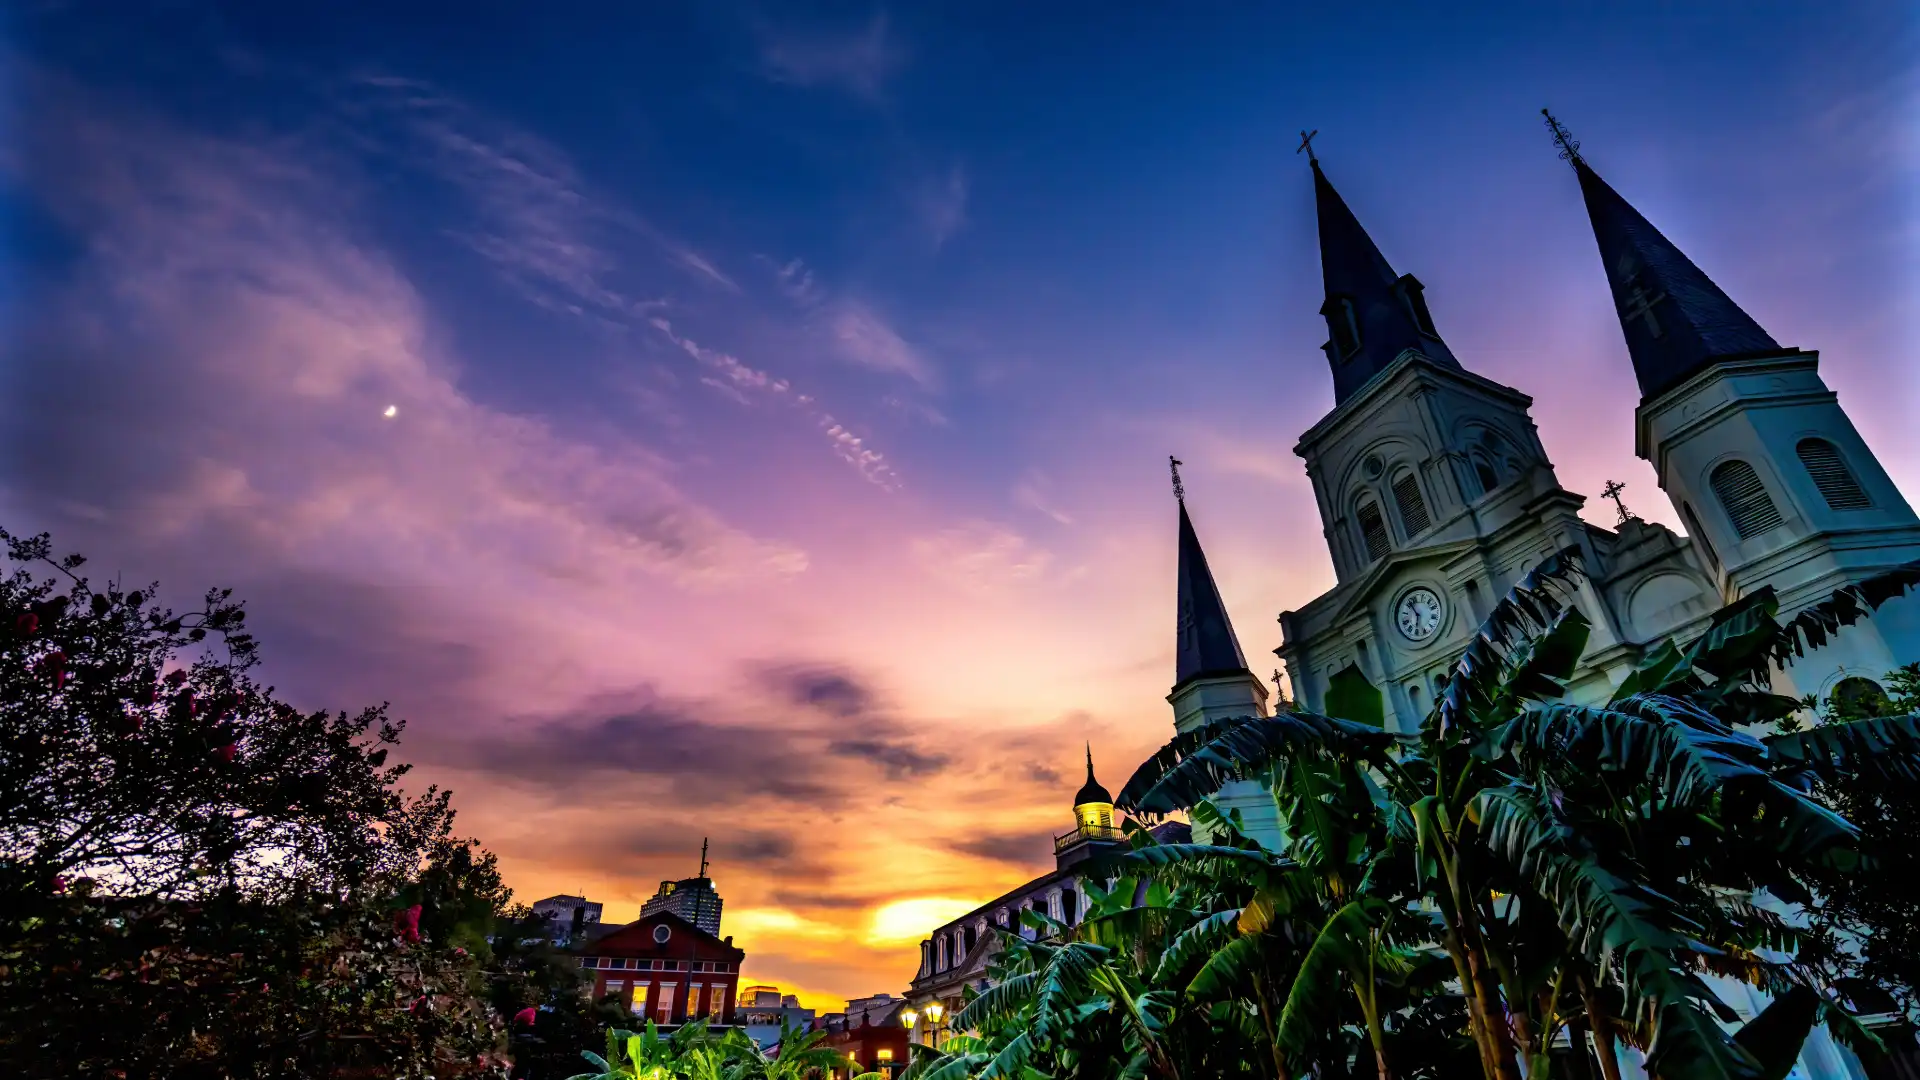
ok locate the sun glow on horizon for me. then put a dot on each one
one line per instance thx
(906, 921)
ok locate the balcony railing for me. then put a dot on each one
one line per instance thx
(1098, 834)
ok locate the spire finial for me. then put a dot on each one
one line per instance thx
(1179, 489)
(703, 856)
(1306, 146)
(1562, 138)
(1612, 491)
(1089, 761)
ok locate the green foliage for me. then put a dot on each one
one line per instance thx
(1521, 866)
(198, 879)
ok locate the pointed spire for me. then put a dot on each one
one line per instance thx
(1373, 315)
(1204, 639)
(1091, 791)
(1675, 319)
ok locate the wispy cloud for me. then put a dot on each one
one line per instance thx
(1034, 491)
(745, 384)
(858, 61)
(940, 202)
(982, 556)
(861, 336)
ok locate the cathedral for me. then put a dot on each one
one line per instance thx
(1436, 495)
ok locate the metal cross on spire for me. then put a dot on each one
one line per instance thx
(1179, 489)
(1612, 491)
(1306, 145)
(1562, 138)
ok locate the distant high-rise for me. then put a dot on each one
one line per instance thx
(693, 899)
(568, 917)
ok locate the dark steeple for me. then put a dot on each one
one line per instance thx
(1373, 315)
(1675, 319)
(1091, 791)
(1204, 640)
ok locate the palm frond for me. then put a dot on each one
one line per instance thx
(1885, 748)
(1168, 782)
(1530, 607)
(1685, 752)
(1001, 1001)
(1196, 941)
(1338, 949)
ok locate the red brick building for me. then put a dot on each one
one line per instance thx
(868, 1036)
(665, 969)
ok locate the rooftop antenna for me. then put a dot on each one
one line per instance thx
(1562, 138)
(1179, 489)
(703, 856)
(1306, 146)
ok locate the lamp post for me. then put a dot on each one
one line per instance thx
(933, 1012)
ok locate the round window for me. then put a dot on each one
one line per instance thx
(1373, 466)
(662, 932)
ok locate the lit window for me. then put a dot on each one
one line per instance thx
(663, 1003)
(1744, 498)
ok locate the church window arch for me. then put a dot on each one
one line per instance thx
(1831, 475)
(1411, 505)
(1858, 697)
(1484, 473)
(1744, 498)
(1373, 530)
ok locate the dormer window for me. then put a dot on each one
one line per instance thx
(1343, 324)
(1414, 294)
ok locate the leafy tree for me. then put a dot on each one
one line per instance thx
(197, 878)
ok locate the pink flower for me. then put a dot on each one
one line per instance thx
(226, 752)
(460, 953)
(60, 883)
(408, 922)
(417, 1002)
(525, 1016)
(27, 623)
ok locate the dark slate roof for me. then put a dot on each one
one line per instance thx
(1203, 636)
(1692, 323)
(1353, 267)
(1091, 791)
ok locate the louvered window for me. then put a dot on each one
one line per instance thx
(1373, 531)
(1413, 509)
(1830, 474)
(1744, 498)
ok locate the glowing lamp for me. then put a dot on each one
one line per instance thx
(934, 1010)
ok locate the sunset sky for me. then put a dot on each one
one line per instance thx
(780, 397)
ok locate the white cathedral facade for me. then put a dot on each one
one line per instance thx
(1436, 495)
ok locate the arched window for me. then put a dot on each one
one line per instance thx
(1744, 498)
(1857, 697)
(1069, 906)
(1699, 534)
(1830, 474)
(1373, 531)
(1413, 508)
(940, 953)
(1483, 472)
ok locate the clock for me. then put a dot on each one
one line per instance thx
(1418, 613)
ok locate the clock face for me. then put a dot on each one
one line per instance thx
(1418, 615)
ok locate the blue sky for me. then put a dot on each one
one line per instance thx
(786, 391)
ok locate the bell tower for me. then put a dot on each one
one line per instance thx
(1762, 464)
(1211, 678)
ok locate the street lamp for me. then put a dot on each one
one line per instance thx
(934, 1011)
